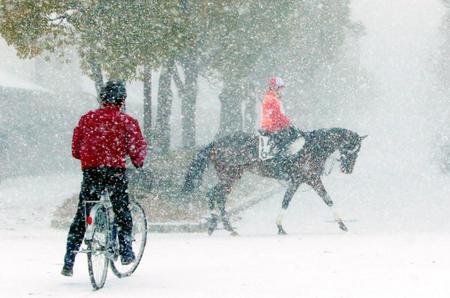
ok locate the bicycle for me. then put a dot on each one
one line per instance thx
(101, 239)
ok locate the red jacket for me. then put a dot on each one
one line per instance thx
(273, 119)
(104, 137)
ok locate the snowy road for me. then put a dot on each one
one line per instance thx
(315, 260)
(180, 265)
(398, 244)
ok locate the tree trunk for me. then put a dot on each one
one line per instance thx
(250, 109)
(96, 70)
(147, 80)
(231, 109)
(188, 104)
(165, 98)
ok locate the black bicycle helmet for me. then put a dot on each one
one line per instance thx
(114, 92)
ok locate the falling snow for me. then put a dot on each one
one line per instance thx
(196, 72)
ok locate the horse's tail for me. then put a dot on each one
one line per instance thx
(197, 167)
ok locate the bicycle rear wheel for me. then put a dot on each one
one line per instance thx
(97, 248)
(139, 235)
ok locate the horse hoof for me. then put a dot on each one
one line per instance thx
(212, 224)
(343, 227)
(211, 229)
(281, 231)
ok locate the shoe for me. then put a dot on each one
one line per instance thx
(67, 271)
(126, 249)
(127, 258)
(69, 260)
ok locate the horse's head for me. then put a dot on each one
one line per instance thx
(349, 152)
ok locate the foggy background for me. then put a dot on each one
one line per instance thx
(387, 81)
(378, 67)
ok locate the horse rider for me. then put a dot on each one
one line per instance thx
(274, 122)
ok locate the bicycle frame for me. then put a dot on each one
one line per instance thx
(90, 215)
(90, 219)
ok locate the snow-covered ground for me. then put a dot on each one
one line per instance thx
(383, 255)
(31, 201)
(180, 265)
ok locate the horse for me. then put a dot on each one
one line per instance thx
(233, 154)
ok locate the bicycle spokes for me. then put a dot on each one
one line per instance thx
(138, 241)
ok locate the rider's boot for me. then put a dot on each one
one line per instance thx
(126, 250)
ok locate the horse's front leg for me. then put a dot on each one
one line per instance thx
(293, 186)
(318, 187)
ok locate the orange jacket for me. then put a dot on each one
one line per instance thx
(273, 118)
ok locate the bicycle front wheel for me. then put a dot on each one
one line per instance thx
(139, 235)
(97, 248)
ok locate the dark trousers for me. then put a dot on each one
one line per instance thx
(115, 181)
(283, 138)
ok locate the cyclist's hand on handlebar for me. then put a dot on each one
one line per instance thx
(139, 166)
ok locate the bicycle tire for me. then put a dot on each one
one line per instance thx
(139, 242)
(97, 249)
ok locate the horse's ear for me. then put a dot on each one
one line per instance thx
(363, 137)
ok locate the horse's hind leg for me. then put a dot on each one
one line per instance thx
(217, 198)
(228, 177)
(225, 218)
(213, 195)
(318, 187)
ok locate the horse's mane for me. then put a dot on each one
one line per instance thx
(324, 141)
(323, 134)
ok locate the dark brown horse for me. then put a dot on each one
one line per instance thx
(234, 154)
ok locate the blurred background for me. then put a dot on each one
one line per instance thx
(197, 70)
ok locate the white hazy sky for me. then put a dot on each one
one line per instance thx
(402, 36)
(401, 41)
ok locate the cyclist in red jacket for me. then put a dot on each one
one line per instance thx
(101, 141)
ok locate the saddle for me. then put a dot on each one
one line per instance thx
(267, 146)
(268, 149)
